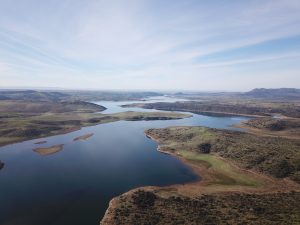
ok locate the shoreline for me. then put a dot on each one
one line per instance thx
(229, 114)
(70, 130)
(201, 186)
(204, 112)
(46, 136)
(190, 164)
(262, 132)
(49, 150)
(123, 116)
(199, 171)
(196, 169)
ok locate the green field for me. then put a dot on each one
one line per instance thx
(223, 172)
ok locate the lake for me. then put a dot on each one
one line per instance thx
(74, 186)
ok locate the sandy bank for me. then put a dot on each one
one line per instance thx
(83, 137)
(49, 150)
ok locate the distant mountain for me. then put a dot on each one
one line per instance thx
(30, 95)
(110, 95)
(54, 96)
(279, 93)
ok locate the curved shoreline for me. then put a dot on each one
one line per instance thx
(201, 186)
(188, 163)
(106, 220)
(267, 133)
(160, 148)
(204, 112)
(102, 119)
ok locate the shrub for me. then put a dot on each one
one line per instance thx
(204, 148)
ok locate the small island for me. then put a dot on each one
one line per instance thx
(83, 137)
(40, 142)
(49, 150)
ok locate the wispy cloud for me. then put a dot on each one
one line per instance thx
(138, 43)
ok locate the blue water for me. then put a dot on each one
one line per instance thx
(74, 186)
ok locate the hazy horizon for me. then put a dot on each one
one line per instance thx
(150, 45)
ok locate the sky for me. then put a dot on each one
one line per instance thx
(200, 45)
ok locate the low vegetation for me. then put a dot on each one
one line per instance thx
(110, 95)
(135, 116)
(63, 95)
(274, 124)
(28, 120)
(287, 127)
(24, 108)
(241, 181)
(289, 94)
(31, 95)
(279, 157)
(244, 178)
(148, 207)
(216, 107)
(257, 94)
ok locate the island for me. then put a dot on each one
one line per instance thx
(49, 150)
(83, 137)
(40, 142)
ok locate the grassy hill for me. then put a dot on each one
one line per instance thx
(245, 179)
(63, 95)
(31, 95)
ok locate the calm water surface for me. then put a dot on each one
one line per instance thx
(74, 186)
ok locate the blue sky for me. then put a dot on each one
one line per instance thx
(150, 44)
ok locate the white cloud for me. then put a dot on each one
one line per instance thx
(138, 43)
